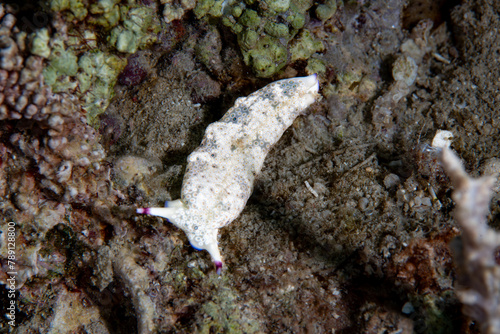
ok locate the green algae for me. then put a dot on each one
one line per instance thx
(305, 45)
(88, 63)
(268, 30)
(40, 43)
(327, 10)
(223, 313)
(315, 65)
(267, 57)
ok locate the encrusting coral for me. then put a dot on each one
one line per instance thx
(22, 93)
(50, 156)
(220, 173)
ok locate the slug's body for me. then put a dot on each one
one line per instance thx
(220, 173)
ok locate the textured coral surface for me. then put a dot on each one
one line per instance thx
(350, 227)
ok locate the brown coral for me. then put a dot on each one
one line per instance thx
(49, 128)
(51, 164)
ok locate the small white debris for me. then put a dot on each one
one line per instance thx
(64, 172)
(442, 139)
(440, 58)
(311, 189)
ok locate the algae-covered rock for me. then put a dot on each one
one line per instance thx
(100, 72)
(77, 9)
(138, 30)
(275, 6)
(213, 8)
(92, 74)
(208, 50)
(326, 10)
(305, 46)
(268, 29)
(64, 60)
(250, 19)
(315, 65)
(89, 63)
(40, 43)
(123, 40)
(223, 314)
(267, 57)
(277, 29)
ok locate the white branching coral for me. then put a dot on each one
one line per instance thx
(220, 173)
(478, 269)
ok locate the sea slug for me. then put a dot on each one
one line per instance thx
(220, 173)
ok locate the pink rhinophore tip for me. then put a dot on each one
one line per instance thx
(143, 210)
(218, 267)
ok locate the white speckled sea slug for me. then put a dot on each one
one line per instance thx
(220, 173)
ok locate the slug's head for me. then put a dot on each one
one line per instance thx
(309, 88)
(300, 91)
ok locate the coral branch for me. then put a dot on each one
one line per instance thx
(478, 285)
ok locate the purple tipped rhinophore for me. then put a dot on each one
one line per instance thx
(218, 267)
(143, 210)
